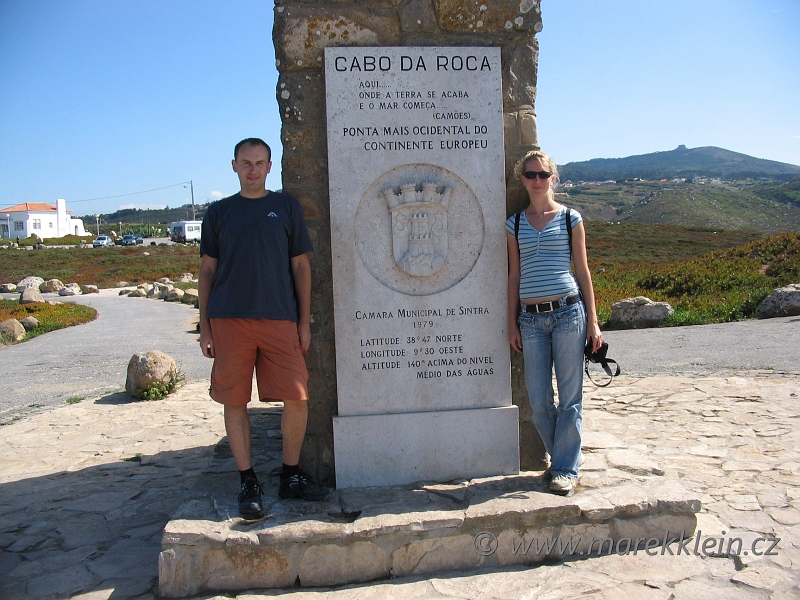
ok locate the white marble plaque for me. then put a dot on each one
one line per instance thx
(417, 189)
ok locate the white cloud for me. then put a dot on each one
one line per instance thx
(214, 196)
(142, 206)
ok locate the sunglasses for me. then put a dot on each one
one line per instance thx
(535, 174)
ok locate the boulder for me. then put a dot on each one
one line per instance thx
(145, 254)
(11, 331)
(137, 293)
(30, 323)
(155, 290)
(638, 313)
(147, 368)
(783, 302)
(30, 295)
(120, 284)
(165, 291)
(185, 278)
(190, 296)
(164, 280)
(174, 295)
(51, 286)
(32, 282)
(71, 289)
(90, 289)
(8, 287)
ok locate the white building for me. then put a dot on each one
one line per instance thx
(38, 218)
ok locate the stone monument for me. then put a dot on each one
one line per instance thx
(303, 29)
(417, 191)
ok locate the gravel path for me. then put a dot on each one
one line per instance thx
(91, 360)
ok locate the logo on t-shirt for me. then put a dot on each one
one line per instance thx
(272, 214)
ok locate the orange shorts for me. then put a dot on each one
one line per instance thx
(270, 347)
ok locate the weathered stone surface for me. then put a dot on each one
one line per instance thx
(418, 16)
(8, 287)
(51, 286)
(190, 296)
(11, 331)
(90, 289)
(137, 293)
(638, 312)
(147, 368)
(489, 16)
(783, 302)
(520, 66)
(330, 564)
(301, 33)
(185, 278)
(175, 295)
(71, 289)
(633, 462)
(29, 282)
(121, 284)
(30, 323)
(166, 290)
(30, 295)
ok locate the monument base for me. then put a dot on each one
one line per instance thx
(402, 448)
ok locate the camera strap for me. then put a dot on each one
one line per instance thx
(603, 362)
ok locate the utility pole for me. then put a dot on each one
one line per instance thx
(191, 185)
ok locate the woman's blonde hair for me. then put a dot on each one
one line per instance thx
(546, 161)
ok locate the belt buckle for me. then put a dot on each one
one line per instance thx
(551, 309)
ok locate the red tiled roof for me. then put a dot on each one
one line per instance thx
(31, 207)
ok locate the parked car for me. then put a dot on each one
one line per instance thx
(102, 240)
(132, 240)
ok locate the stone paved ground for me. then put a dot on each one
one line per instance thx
(79, 520)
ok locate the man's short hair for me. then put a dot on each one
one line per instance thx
(252, 142)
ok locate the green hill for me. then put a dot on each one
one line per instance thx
(707, 161)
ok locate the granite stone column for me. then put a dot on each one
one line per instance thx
(302, 30)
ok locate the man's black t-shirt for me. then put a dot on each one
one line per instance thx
(253, 239)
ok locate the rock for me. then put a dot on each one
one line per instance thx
(147, 368)
(120, 284)
(11, 331)
(32, 282)
(783, 302)
(164, 280)
(71, 289)
(185, 278)
(51, 286)
(8, 287)
(30, 296)
(30, 323)
(145, 254)
(175, 295)
(90, 289)
(155, 290)
(137, 293)
(165, 291)
(124, 292)
(190, 296)
(637, 313)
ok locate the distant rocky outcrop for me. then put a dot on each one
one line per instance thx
(783, 302)
(638, 313)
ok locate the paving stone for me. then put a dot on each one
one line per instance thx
(762, 577)
(68, 581)
(633, 462)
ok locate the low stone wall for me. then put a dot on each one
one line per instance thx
(302, 30)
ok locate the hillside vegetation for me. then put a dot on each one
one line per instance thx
(708, 161)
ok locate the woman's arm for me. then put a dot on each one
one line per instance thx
(584, 278)
(514, 336)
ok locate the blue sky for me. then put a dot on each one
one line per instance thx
(103, 98)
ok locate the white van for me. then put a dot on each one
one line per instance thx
(185, 231)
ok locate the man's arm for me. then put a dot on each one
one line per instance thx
(301, 273)
(208, 268)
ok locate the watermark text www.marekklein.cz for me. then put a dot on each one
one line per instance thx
(486, 544)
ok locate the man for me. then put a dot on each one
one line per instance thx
(255, 313)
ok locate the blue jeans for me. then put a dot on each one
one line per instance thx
(556, 339)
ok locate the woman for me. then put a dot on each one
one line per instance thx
(552, 327)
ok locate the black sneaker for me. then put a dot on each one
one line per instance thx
(250, 506)
(300, 485)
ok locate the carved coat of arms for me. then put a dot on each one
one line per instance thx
(419, 227)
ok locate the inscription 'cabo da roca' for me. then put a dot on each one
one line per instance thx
(419, 227)
(419, 265)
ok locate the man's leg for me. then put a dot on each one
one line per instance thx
(237, 426)
(293, 428)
